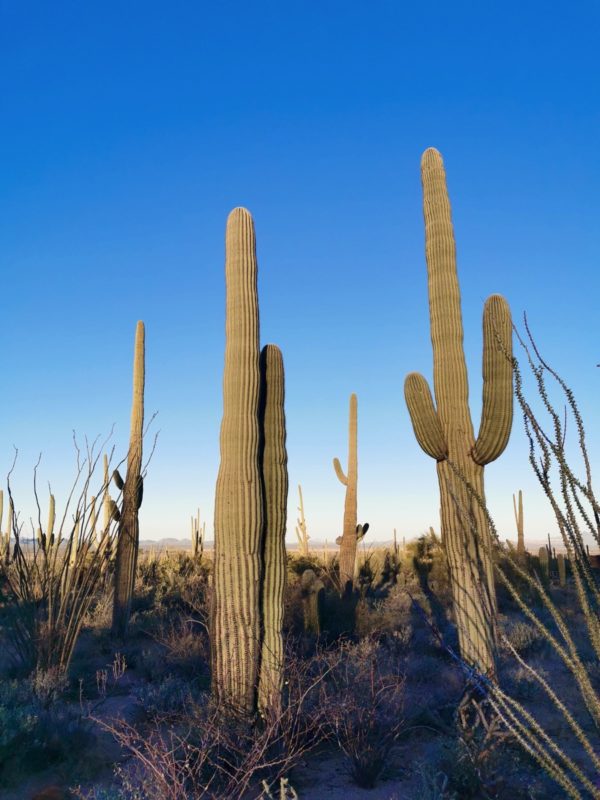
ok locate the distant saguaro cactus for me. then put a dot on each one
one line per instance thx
(132, 488)
(197, 533)
(273, 465)
(544, 557)
(518, 509)
(446, 433)
(239, 517)
(312, 587)
(301, 530)
(349, 538)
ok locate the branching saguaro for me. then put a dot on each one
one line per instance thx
(445, 431)
(132, 488)
(239, 519)
(348, 539)
(273, 464)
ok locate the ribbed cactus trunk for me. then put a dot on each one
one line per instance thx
(273, 465)
(128, 532)
(236, 614)
(446, 433)
(349, 536)
(521, 552)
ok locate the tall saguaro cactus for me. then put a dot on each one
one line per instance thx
(349, 539)
(132, 488)
(236, 645)
(445, 431)
(273, 465)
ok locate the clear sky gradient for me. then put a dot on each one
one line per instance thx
(128, 131)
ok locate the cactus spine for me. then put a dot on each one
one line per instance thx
(128, 532)
(348, 540)
(239, 515)
(301, 530)
(518, 509)
(446, 432)
(273, 465)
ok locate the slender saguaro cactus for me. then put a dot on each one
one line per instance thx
(349, 536)
(132, 488)
(312, 587)
(301, 530)
(273, 465)
(197, 538)
(446, 432)
(562, 569)
(235, 614)
(521, 554)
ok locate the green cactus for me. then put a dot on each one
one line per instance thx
(446, 432)
(348, 540)
(197, 532)
(301, 530)
(239, 515)
(128, 531)
(544, 558)
(273, 466)
(250, 498)
(312, 588)
(562, 569)
(518, 509)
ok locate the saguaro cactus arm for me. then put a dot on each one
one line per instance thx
(342, 477)
(423, 416)
(497, 412)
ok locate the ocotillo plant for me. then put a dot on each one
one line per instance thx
(273, 466)
(348, 539)
(521, 553)
(132, 489)
(446, 432)
(239, 515)
(301, 530)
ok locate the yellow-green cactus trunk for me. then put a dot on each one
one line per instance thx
(273, 463)
(445, 430)
(128, 532)
(349, 536)
(235, 616)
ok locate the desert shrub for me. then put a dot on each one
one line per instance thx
(200, 751)
(169, 696)
(525, 638)
(296, 563)
(37, 728)
(365, 693)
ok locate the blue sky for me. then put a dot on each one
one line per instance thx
(128, 132)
